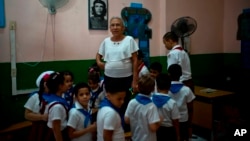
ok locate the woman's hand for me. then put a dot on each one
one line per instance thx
(99, 62)
(134, 85)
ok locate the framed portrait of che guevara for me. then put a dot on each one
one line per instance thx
(98, 14)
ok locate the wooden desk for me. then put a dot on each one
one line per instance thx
(203, 115)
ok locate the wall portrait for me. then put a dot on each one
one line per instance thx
(98, 14)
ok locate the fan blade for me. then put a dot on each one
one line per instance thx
(184, 26)
(53, 3)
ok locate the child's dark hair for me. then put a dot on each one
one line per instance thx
(156, 66)
(67, 72)
(94, 67)
(41, 90)
(146, 84)
(114, 85)
(163, 81)
(172, 36)
(79, 86)
(54, 81)
(175, 72)
(94, 76)
(140, 55)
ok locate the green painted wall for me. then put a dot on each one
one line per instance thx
(208, 70)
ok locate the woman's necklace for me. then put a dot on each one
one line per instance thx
(118, 40)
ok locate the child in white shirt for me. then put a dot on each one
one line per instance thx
(110, 122)
(141, 113)
(79, 122)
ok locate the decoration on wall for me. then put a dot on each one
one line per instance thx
(2, 14)
(98, 14)
(136, 19)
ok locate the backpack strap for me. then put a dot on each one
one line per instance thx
(57, 102)
(43, 105)
(140, 67)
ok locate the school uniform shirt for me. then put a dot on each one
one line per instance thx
(167, 108)
(182, 96)
(33, 103)
(109, 119)
(100, 97)
(76, 121)
(144, 70)
(140, 117)
(155, 88)
(56, 112)
(117, 56)
(177, 56)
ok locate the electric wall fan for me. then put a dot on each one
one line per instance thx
(184, 27)
(53, 5)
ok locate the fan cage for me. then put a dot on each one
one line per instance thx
(184, 26)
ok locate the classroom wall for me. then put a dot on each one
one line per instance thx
(65, 36)
(63, 41)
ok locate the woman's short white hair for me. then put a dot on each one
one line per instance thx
(119, 18)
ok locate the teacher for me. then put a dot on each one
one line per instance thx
(119, 53)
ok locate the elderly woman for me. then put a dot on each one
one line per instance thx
(120, 57)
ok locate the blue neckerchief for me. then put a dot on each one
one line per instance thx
(176, 87)
(86, 114)
(101, 78)
(160, 100)
(143, 99)
(106, 102)
(94, 95)
(53, 97)
(69, 96)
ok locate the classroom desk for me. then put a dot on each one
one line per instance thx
(204, 105)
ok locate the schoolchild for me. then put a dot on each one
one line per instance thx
(184, 97)
(167, 109)
(95, 82)
(97, 92)
(155, 69)
(110, 120)
(68, 95)
(177, 55)
(96, 68)
(141, 113)
(79, 122)
(35, 106)
(142, 68)
(57, 107)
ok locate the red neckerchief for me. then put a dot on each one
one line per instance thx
(140, 67)
(179, 48)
